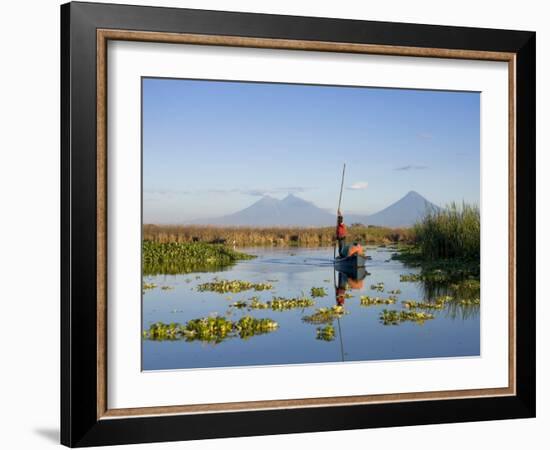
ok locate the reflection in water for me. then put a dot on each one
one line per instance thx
(345, 282)
(356, 334)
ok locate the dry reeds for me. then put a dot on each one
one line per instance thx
(272, 236)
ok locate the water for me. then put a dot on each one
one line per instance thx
(360, 336)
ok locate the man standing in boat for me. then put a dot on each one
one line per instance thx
(341, 233)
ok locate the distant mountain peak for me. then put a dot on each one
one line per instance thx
(413, 194)
(293, 200)
(295, 211)
(267, 199)
(404, 212)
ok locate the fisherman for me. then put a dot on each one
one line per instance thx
(341, 233)
(356, 248)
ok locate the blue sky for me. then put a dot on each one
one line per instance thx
(212, 148)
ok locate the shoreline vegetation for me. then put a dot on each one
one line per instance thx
(446, 245)
(178, 257)
(447, 250)
(273, 236)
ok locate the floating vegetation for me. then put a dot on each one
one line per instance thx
(377, 287)
(466, 284)
(234, 286)
(366, 300)
(210, 329)
(468, 290)
(438, 304)
(276, 304)
(326, 333)
(469, 302)
(440, 270)
(167, 288)
(162, 331)
(325, 315)
(281, 303)
(395, 291)
(148, 286)
(248, 326)
(411, 277)
(411, 304)
(239, 304)
(318, 292)
(255, 303)
(186, 257)
(434, 276)
(394, 317)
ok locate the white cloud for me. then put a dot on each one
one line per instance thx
(359, 185)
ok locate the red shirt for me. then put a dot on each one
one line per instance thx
(341, 231)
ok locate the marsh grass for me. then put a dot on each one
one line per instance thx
(449, 233)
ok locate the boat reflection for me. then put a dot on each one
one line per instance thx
(348, 280)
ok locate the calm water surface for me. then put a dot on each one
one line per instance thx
(360, 336)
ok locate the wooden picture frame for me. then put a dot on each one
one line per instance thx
(85, 416)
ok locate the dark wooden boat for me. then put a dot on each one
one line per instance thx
(350, 264)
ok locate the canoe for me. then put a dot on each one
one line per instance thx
(350, 264)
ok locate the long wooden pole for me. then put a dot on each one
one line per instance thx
(342, 187)
(339, 204)
(334, 257)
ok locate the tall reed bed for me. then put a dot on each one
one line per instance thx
(272, 236)
(450, 232)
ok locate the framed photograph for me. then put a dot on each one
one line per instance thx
(277, 224)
